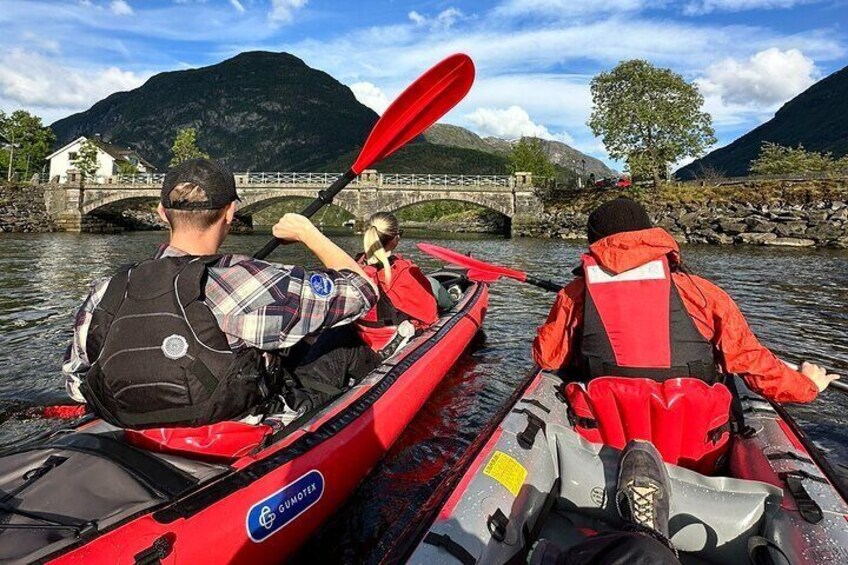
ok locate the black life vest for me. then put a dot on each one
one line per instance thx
(160, 358)
(635, 325)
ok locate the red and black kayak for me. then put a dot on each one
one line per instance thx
(531, 475)
(89, 496)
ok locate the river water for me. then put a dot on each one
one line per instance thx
(795, 300)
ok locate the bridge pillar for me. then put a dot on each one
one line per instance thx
(528, 208)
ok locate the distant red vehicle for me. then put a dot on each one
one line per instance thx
(610, 182)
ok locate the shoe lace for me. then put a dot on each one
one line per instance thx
(642, 504)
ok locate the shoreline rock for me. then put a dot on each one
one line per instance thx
(816, 224)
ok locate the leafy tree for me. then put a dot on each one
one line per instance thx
(649, 117)
(185, 147)
(127, 168)
(86, 164)
(527, 156)
(777, 159)
(29, 143)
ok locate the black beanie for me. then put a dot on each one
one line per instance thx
(616, 216)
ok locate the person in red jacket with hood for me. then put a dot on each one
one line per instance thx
(636, 324)
(406, 294)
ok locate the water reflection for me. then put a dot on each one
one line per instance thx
(795, 300)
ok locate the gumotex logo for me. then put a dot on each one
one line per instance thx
(270, 515)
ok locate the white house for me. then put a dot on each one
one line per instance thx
(109, 158)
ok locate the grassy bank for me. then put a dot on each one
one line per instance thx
(754, 192)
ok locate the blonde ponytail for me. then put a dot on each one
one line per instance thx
(382, 228)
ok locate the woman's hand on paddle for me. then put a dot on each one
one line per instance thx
(294, 227)
(817, 374)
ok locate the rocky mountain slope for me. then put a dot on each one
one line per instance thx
(559, 153)
(256, 111)
(817, 118)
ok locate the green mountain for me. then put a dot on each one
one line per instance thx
(559, 153)
(817, 118)
(262, 111)
(258, 111)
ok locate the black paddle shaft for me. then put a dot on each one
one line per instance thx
(324, 197)
(543, 283)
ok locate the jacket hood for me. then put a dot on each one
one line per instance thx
(627, 250)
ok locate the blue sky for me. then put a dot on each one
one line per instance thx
(535, 58)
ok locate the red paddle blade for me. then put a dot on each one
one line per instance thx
(478, 270)
(417, 108)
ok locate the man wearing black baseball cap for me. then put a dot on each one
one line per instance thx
(181, 339)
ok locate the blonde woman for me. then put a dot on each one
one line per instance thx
(406, 295)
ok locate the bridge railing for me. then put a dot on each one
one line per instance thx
(434, 181)
(294, 179)
(142, 179)
(297, 179)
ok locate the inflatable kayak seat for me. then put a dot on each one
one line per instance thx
(686, 419)
(221, 442)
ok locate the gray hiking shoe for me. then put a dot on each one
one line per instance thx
(644, 490)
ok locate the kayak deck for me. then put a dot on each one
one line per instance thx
(536, 477)
(112, 496)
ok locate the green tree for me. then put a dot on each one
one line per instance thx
(86, 164)
(185, 147)
(528, 156)
(29, 143)
(649, 117)
(777, 159)
(127, 168)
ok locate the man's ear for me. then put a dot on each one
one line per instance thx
(231, 212)
(161, 210)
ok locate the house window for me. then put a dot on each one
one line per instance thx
(72, 156)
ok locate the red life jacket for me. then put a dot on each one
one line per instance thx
(378, 326)
(650, 369)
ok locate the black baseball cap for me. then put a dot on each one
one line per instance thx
(215, 179)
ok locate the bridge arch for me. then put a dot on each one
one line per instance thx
(95, 200)
(391, 200)
(250, 206)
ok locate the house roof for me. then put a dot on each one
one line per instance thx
(121, 153)
(117, 152)
(61, 149)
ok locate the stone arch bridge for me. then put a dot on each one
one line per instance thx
(513, 196)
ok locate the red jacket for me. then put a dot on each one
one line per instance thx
(716, 316)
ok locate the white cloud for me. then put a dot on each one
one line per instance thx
(370, 95)
(121, 8)
(30, 80)
(237, 5)
(570, 8)
(701, 7)
(447, 18)
(444, 20)
(282, 11)
(764, 80)
(416, 18)
(511, 123)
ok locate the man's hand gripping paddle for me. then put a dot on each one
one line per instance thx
(486, 272)
(417, 108)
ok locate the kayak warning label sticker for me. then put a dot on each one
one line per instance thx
(269, 516)
(507, 471)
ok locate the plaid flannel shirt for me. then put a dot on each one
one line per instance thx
(257, 304)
